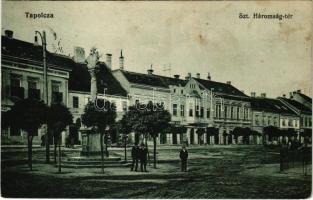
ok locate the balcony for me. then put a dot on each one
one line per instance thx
(57, 97)
(17, 92)
(34, 94)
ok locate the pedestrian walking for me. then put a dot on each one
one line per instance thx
(143, 158)
(183, 154)
(135, 157)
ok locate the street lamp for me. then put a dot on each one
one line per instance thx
(45, 90)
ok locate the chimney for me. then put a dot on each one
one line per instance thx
(109, 60)
(8, 34)
(176, 76)
(290, 95)
(188, 77)
(284, 95)
(263, 95)
(150, 71)
(121, 60)
(198, 75)
(209, 76)
(79, 55)
(228, 82)
(253, 94)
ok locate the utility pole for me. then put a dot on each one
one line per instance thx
(45, 90)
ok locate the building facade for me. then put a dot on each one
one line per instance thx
(22, 77)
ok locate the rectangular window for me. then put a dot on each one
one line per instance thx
(225, 112)
(190, 110)
(15, 80)
(75, 102)
(231, 112)
(269, 120)
(55, 87)
(201, 112)
(208, 112)
(256, 119)
(32, 84)
(182, 110)
(275, 121)
(238, 111)
(283, 122)
(33, 92)
(182, 92)
(16, 86)
(174, 109)
(197, 111)
(289, 123)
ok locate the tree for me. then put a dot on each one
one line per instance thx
(126, 128)
(150, 119)
(58, 118)
(100, 120)
(28, 115)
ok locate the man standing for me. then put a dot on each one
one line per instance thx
(135, 157)
(183, 157)
(143, 158)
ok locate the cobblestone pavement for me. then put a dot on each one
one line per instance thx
(213, 172)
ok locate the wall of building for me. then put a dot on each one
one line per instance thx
(26, 74)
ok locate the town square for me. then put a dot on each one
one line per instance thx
(149, 104)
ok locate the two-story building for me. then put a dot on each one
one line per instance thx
(272, 112)
(22, 77)
(194, 103)
(304, 114)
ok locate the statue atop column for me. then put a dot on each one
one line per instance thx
(92, 61)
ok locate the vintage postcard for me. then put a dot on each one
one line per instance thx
(156, 99)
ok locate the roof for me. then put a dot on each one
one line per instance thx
(309, 99)
(297, 105)
(152, 80)
(28, 53)
(79, 77)
(270, 105)
(221, 87)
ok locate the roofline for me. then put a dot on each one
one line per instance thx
(88, 93)
(39, 63)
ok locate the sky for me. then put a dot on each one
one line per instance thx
(257, 55)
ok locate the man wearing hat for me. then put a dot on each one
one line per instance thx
(183, 157)
(143, 157)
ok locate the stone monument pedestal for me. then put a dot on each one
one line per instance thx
(91, 145)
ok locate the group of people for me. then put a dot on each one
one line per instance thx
(290, 152)
(141, 153)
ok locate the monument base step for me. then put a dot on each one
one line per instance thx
(106, 165)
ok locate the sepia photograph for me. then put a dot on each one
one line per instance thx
(156, 99)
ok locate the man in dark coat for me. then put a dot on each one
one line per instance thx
(143, 158)
(183, 157)
(135, 157)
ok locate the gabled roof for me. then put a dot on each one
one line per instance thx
(270, 105)
(299, 106)
(152, 80)
(28, 53)
(79, 77)
(219, 87)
